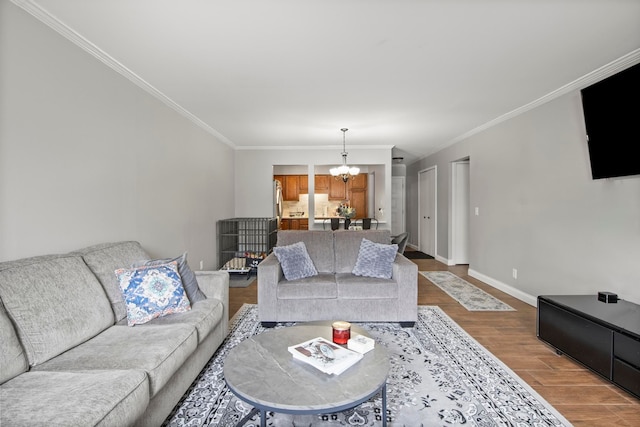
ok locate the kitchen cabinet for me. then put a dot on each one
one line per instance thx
(359, 182)
(303, 184)
(321, 183)
(355, 190)
(290, 188)
(293, 186)
(358, 200)
(337, 189)
(294, 224)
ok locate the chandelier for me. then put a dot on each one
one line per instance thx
(343, 171)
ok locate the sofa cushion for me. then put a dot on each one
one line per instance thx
(13, 360)
(360, 287)
(159, 350)
(152, 291)
(319, 246)
(347, 246)
(295, 261)
(55, 304)
(104, 259)
(79, 398)
(322, 286)
(204, 315)
(375, 259)
(189, 281)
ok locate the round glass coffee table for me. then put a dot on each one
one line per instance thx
(261, 371)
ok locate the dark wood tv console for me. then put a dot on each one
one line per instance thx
(604, 337)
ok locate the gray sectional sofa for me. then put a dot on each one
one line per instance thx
(68, 357)
(335, 293)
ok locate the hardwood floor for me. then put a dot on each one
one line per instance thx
(579, 395)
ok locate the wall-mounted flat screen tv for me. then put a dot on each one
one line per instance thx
(612, 118)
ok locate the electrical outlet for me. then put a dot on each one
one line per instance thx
(515, 273)
(477, 211)
(201, 265)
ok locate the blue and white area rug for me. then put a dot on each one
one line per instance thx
(469, 296)
(439, 376)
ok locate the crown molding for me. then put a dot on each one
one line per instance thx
(54, 23)
(580, 83)
(307, 147)
(606, 70)
(31, 7)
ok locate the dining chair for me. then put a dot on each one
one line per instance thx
(335, 223)
(401, 239)
(366, 223)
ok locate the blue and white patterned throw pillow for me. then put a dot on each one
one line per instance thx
(189, 281)
(295, 261)
(152, 291)
(375, 260)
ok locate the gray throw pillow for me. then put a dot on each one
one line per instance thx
(295, 261)
(189, 281)
(375, 260)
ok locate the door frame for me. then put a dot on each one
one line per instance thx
(434, 202)
(401, 219)
(460, 212)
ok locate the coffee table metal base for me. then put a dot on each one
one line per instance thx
(263, 411)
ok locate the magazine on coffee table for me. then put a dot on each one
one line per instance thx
(324, 355)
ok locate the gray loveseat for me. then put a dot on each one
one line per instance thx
(68, 357)
(335, 293)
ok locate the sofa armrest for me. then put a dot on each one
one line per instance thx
(269, 275)
(405, 273)
(215, 284)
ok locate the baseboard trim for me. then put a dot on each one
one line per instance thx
(442, 260)
(516, 293)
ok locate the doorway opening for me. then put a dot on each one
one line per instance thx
(427, 211)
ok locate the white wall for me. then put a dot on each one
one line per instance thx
(540, 210)
(254, 173)
(88, 157)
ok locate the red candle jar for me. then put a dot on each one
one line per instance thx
(341, 332)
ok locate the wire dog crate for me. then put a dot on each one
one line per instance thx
(245, 238)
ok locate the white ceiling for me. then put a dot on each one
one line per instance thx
(418, 75)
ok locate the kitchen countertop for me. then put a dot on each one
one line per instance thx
(320, 219)
(316, 217)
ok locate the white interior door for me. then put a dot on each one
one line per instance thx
(427, 217)
(398, 205)
(460, 213)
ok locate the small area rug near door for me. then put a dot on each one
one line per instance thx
(439, 376)
(470, 297)
(416, 255)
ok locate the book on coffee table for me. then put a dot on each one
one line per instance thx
(324, 355)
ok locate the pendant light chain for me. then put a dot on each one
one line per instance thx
(343, 171)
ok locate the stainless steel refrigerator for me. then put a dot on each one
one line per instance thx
(277, 200)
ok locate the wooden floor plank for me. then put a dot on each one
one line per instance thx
(582, 397)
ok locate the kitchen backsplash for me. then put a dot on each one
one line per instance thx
(323, 206)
